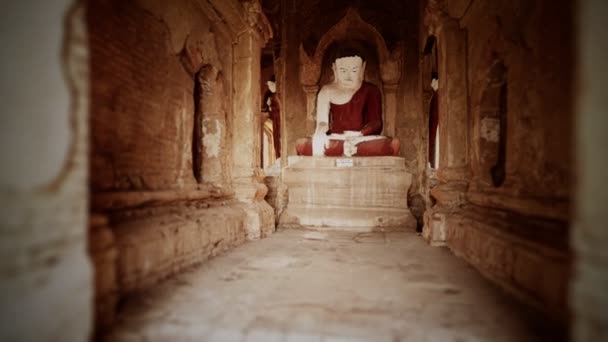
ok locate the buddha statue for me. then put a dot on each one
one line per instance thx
(349, 114)
(273, 108)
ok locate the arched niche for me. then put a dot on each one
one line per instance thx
(386, 64)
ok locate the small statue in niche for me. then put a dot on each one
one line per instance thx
(349, 114)
(272, 105)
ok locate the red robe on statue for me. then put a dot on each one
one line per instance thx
(275, 115)
(362, 113)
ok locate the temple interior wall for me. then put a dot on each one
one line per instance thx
(163, 123)
(513, 224)
(535, 42)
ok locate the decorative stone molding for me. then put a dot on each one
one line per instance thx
(199, 50)
(238, 17)
(434, 15)
(257, 20)
(437, 19)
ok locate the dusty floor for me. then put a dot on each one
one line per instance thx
(310, 286)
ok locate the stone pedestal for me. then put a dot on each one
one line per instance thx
(361, 193)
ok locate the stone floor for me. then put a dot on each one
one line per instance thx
(302, 285)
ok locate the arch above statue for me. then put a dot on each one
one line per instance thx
(351, 27)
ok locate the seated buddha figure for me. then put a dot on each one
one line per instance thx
(349, 114)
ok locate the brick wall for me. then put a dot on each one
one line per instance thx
(144, 56)
(142, 106)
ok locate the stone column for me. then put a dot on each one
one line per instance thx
(390, 73)
(247, 123)
(589, 301)
(453, 106)
(47, 280)
(311, 106)
(246, 139)
(390, 109)
(213, 124)
(453, 126)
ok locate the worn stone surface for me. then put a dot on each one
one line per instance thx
(248, 178)
(326, 286)
(157, 243)
(372, 192)
(272, 183)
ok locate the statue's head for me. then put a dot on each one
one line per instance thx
(271, 83)
(348, 68)
(272, 86)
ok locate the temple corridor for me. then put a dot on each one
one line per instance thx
(303, 170)
(303, 285)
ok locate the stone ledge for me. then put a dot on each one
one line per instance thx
(551, 208)
(155, 247)
(347, 218)
(527, 257)
(102, 201)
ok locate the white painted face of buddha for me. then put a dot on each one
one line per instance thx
(349, 71)
(272, 86)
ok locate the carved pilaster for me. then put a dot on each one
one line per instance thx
(310, 69)
(453, 170)
(390, 67)
(311, 96)
(390, 108)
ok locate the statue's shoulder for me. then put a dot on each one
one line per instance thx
(329, 87)
(328, 90)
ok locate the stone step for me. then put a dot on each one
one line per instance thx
(345, 218)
